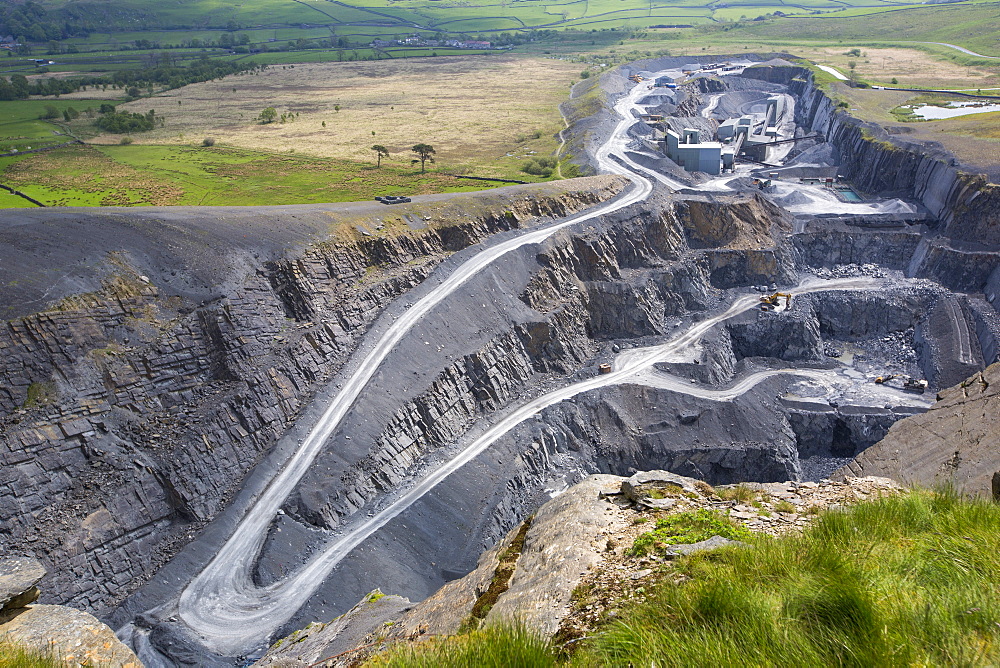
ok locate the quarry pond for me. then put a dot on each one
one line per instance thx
(319, 415)
(953, 110)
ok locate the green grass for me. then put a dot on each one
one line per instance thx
(139, 175)
(22, 129)
(972, 25)
(15, 656)
(493, 647)
(174, 23)
(902, 581)
(686, 528)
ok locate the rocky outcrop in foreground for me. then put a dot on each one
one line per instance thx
(67, 635)
(576, 542)
(956, 442)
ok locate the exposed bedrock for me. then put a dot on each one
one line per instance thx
(633, 428)
(839, 432)
(619, 280)
(956, 442)
(828, 243)
(793, 336)
(132, 413)
(853, 315)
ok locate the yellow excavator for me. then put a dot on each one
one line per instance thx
(769, 302)
(910, 383)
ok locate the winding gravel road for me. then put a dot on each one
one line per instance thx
(231, 614)
(222, 605)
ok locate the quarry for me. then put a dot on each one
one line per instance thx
(222, 424)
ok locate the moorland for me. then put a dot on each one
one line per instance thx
(482, 84)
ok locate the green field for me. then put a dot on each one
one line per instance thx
(278, 24)
(176, 175)
(975, 26)
(22, 129)
(591, 34)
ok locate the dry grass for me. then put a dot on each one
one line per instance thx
(974, 140)
(910, 67)
(473, 110)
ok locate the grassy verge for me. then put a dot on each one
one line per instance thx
(906, 580)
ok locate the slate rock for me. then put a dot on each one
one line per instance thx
(713, 543)
(18, 577)
(644, 484)
(306, 647)
(73, 637)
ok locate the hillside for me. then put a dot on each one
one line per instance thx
(819, 574)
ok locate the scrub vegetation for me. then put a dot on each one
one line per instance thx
(904, 580)
(686, 528)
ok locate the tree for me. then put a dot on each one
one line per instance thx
(268, 115)
(425, 152)
(380, 152)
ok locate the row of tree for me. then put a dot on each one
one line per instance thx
(162, 76)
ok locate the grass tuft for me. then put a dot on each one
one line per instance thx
(490, 647)
(16, 656)
(741, 493)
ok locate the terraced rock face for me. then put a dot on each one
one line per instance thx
(131, 413)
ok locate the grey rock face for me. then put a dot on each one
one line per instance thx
(130, 415)
(956, 442)
(876, 162)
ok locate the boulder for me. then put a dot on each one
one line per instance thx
(565, 541)
(73, 637)
(649, 487)
(18, 577)
(713, 543)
